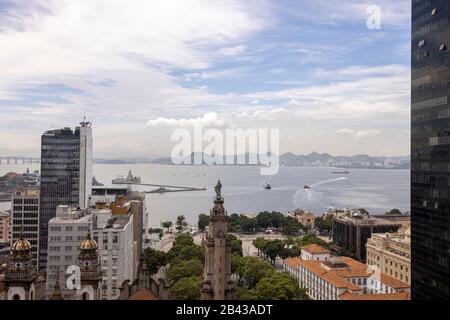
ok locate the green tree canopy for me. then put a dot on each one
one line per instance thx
(186, 289)
(181, 222)
(394, 212)
(167, 225)
(203, 221)
(236, 244)
(279, 286)
(155, 259)
(290, 226)
(185, 269)
(264, 219)
(253, 269)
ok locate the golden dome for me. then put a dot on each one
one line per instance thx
(21, 245)
(88, 243)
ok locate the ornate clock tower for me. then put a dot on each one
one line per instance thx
(217, 284)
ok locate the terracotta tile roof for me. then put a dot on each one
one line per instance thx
(353, 273)
(339, 282)
(293, 262)
(353, 263)
(315, 249)
(332, 276)
(392, 296)
(143, 294)
(392, 282)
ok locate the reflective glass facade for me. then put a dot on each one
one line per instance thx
(430, 174)
(66, 176)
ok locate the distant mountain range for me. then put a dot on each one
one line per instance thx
(292, 160)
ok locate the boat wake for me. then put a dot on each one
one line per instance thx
(328, 181)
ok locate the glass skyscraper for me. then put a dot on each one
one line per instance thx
(66, 175)
(430, 175)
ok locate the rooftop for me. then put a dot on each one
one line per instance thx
(143, 294)
(391, 296)
(315, 249)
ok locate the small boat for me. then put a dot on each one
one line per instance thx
(306, 187)
(267, 186)
(341, 172)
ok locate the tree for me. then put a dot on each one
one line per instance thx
(249, 225)
(181, 222)
(279, 286)
(253, 269)
(290, 226)
(274, 249)
(236, 245)
(155, 259)
(167, 225)
(324, 224)
(186, 289)
(185, 269)
(203, 221)
(277, 219)
(245, 294)
(260, 244)
(394, 212)
(264, 219)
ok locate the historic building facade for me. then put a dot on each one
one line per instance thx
(21, 279)
(217, 284)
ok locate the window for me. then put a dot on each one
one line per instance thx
(69, 228)
(68, 248)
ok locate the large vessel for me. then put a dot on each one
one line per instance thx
(341, 172)
(129, 179)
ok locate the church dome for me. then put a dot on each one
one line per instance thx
(88, 243)
(21, 245)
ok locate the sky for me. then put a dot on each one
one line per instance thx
(140, 69)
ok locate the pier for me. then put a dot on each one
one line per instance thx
(165, 188)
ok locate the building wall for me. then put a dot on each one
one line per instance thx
(117, 254)
(64, 241)
(25, 214)
(430, 150)
(390, 256)
(5, 221)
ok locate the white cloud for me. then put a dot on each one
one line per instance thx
(210, 119)
(360, 134)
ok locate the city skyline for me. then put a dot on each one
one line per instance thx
(322, 81)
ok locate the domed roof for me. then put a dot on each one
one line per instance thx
(88, 243)
(21, 245)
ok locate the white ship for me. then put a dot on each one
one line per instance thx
(129, 179)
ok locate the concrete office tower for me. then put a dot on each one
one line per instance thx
(66, 175)
(217, 284)
(430, 150)
(25, 217)
(65, 233)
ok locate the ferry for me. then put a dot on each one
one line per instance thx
(129, 179)
(341, 172)
(267, 186)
